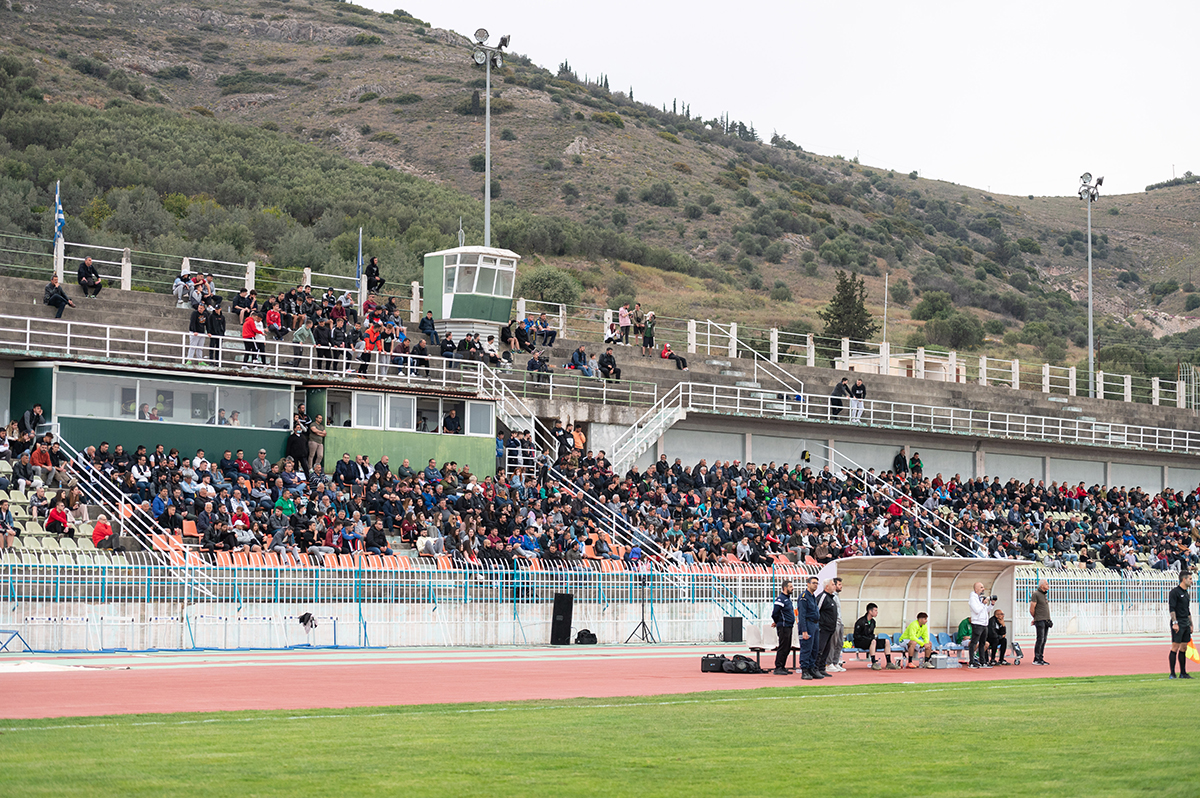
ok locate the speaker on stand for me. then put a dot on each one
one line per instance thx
(560, 622)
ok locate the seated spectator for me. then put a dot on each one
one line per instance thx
(55, 297)
(916, 636)
(103, 536)
(89, 278)
(668, 354)
(997, 639)
(864, 638)
(608, 366)
(544, 329)
(451, 425)
(376, 541)
(8, 526)
(428, 327)
(579, 361)
(57, 522)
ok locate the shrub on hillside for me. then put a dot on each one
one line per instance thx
(478, 162)
(900, 292)
(660, 194)
(548, 284)
(1192, 302)
(693, 211)
(608, 118)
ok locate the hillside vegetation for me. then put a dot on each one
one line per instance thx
(273, 130)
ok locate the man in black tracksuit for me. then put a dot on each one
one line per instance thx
(809, 615)
(783, 618)
(827, 610)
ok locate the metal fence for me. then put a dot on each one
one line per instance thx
(104, 607)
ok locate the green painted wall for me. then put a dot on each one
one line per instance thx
(488, 308)
(315, 400)
(30, 385)
(417, 447)
(187, 438)
(432, 294)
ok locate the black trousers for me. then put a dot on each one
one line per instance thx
(978, 636)
(998, 646)
(1039, 646)
(785, 646)
(826, 648)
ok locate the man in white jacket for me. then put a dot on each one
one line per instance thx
(980, 609)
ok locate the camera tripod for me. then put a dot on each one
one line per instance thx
(642, 631)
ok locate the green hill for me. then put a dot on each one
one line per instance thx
(273, 130)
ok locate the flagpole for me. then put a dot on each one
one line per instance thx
(60, 221)
(362, 289)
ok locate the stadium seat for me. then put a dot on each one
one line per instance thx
(50, 544)
(224, 559)
(34, 528)
(189, 529)
(17, 497)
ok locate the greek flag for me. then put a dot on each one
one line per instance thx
(60, 220)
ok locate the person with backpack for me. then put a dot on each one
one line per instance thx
(783, 619)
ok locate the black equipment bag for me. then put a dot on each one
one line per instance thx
(713, 663)
(585, 637)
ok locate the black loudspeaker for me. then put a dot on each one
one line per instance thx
(733, 629)
(560, 623)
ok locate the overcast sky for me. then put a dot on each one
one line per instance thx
(1019, 98)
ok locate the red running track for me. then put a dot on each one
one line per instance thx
(219, 681)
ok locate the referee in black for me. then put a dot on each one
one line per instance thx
(1181, 624)
(783, 618)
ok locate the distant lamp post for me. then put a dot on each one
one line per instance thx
(1090, 193)
(488, 57)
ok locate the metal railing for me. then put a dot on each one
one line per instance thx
(359, 603)
(108, 343)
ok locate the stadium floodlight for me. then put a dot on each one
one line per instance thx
(488, 57)
(1090, 192)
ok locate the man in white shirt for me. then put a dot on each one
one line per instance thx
(980, 609)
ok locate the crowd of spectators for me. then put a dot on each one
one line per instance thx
(557, 503)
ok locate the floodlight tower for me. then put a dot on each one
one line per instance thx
(488, 57)
(1090, 192)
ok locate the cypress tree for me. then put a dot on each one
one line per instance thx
(846, 314)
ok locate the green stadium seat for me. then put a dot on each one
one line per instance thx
(67, 544)
(50, 544)
(33, 543)
(5, 467)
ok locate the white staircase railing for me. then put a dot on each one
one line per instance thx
(671, 408)
(790, 384)
(134, 521)
(925, 518)
(516, 415)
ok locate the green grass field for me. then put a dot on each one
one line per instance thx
(1062, 737)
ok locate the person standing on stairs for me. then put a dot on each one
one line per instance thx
(858, 395)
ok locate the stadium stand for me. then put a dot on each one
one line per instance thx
(563, 506)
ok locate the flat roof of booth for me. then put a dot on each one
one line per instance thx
(496, 251)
